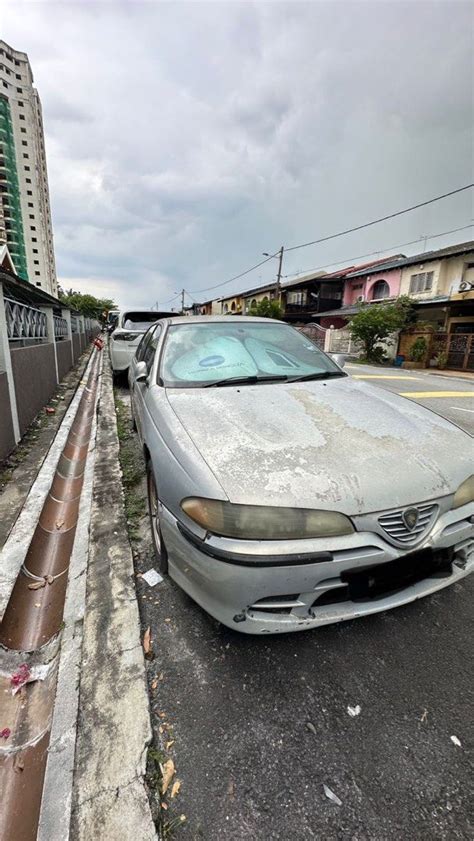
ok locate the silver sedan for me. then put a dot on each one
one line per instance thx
(283, 494)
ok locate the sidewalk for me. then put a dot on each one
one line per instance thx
(465, 375)
(94, 786)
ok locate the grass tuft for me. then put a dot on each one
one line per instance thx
(131, 462)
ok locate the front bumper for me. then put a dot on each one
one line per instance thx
(294, 585)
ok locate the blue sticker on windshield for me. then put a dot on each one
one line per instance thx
(211, 361)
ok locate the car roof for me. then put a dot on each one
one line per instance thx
(202, 319)
(144, 311)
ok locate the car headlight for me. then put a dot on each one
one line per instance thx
(261, 522)
(465, 493)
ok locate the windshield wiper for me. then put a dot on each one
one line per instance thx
(322, 375)
(250, 380)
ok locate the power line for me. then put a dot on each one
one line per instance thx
(382, 219)
(190, 296)
(236, 277)
(379, 250)
(334, 236)
(172, 299)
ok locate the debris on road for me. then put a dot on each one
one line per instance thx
(147, 644)
(5, 733)
(311, 727)
(331, 796)
(353, 711)
(50, 410)
(175, 788)
(152, 577)
(424, 716)
(168, 771)
(456, 741)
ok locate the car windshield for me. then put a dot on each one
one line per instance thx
(219, 353)
(139, 321)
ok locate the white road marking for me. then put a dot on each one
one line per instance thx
(462, 409)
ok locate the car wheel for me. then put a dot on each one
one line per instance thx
(161, 555)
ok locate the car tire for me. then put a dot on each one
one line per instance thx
(161, 555)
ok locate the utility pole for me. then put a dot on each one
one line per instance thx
(280, 265)
(278, 283)
(182, 301)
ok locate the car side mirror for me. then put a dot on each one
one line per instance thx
(141, 373)
(339, 359)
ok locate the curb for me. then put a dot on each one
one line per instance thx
(109, 798)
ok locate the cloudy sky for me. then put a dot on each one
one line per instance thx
(184, 139)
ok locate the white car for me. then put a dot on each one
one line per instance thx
(125, 338)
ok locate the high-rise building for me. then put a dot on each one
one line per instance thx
(25, 212)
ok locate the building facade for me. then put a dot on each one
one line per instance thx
(25, 212)
(231, 305)
(361, 287)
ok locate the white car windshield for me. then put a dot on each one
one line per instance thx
(219, 353)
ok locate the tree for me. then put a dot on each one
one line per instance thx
(267, 309)
(375, 322)
(87, 305)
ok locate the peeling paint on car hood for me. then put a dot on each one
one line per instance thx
(334, 444)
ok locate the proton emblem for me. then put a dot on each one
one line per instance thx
(410, 518)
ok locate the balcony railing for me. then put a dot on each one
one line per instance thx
(24, 322)
(60, 327)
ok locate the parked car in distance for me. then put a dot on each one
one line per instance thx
(285, 495)
(127, 333)
(112, 319)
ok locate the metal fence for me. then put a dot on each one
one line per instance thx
(24, 322)
(316, 333)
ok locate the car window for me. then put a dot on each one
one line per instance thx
(149, 351)
(143, 345)
(139, 321)
(197, 354)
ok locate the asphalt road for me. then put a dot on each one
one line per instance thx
(261, 724)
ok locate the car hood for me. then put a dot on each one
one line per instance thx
(334, 444)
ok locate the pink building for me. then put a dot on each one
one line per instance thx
(370, 285)
(372, 281)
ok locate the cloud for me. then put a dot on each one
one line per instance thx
(184, 139)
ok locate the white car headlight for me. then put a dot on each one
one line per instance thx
(261, 522)
(465, 493)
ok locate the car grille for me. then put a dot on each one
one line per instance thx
(394, 525)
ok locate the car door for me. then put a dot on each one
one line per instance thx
(139, 387)
(132, 373)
